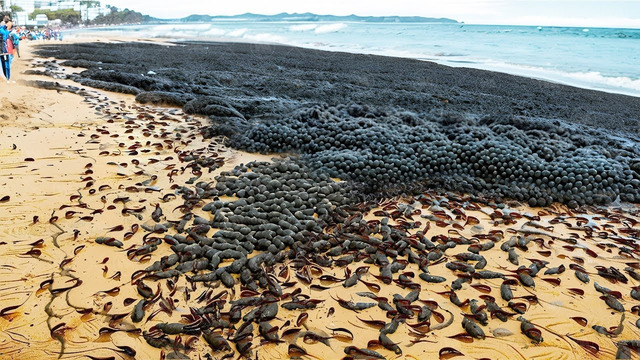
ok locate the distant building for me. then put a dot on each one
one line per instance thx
(58, 5)
(41, 20)
(88, 10)
(21, 18)
(89, 13)
(26, 5)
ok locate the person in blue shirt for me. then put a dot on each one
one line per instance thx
(6, 46)
(15, 38)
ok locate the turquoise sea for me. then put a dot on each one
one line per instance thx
(606, 59)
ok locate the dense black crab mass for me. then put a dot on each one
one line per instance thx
(279, 206)
(265, 216)
(387, 123)
(525, 159)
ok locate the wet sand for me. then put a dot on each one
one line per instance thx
(78, 156)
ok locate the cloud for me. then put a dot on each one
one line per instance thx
(577, 21)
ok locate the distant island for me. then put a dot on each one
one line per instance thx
(314, 17)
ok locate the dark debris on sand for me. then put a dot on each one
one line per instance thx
(260, 215)
(387, 123)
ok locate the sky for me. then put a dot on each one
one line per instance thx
(588, 13)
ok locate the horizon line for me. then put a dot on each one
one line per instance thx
(460, 22)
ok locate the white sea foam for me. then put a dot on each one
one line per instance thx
(212, 31)
(329, 28)
(265, 37)
(237, 32)
(167, 28)
(589, 80)
(614, 82)
(328, 36)
(303, 27)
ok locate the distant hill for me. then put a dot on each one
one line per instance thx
(315, 17)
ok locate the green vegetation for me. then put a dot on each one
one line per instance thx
(90, 3)
(68, 16)
(116, 17)
(71, 17)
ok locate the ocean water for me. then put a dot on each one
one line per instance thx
(606, 59)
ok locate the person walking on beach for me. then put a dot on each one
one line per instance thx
(6, 46)
(15, 40)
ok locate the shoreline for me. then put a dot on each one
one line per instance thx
(105, 147)
(502, 136)
(588, 97)
(582, 80)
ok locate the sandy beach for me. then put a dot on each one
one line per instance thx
(97, 188)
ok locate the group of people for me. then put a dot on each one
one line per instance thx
(10, 37)
(9, 44)
(43, 34)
